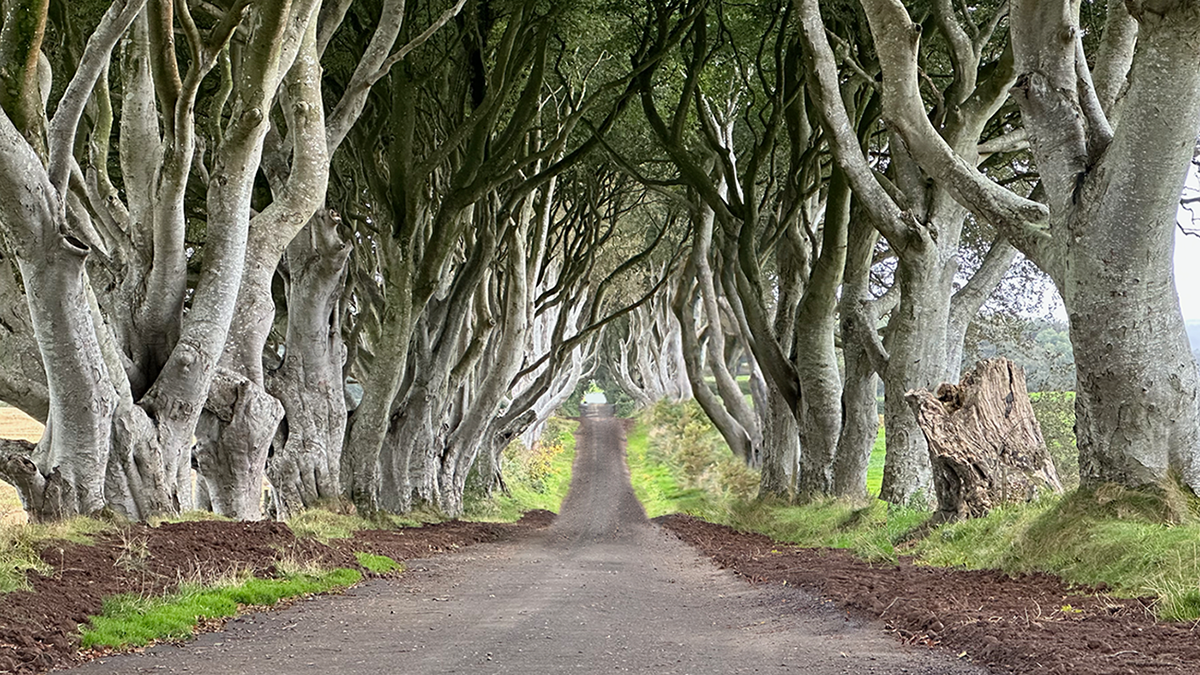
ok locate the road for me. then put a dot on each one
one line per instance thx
(601, 591)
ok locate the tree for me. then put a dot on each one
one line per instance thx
(127, 379)
(1112, 139)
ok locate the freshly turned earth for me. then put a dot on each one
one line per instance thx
(601, 589)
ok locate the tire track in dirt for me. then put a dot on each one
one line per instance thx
(602, 590)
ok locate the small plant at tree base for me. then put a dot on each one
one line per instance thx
(135, 552)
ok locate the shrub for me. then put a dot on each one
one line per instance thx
(1055, 411)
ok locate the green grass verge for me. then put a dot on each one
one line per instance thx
(129, 620)
(378, 564)
(657, 484)
(1137, 543)
(875, 465)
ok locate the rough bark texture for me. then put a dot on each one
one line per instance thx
(232, 463)
(984, 442)
(305, 467)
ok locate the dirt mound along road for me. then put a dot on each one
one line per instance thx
(1031, 623)
(39, 628)
(602, 590)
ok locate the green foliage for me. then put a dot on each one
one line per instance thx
(1055, 412)
(534, 477)
(378, 564)
(1041, 347)
(130, 620)
(623, 403)
(680, 464)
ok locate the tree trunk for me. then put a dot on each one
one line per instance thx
(860, 384)
(22, 378)
(781, 443)
(917, 351)
(73, 453)
(984, 442)
(232, 441)
(821, 413)
(305, 467)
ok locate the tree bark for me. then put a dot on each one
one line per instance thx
(306, 465)
(984, 442)
(860, 385)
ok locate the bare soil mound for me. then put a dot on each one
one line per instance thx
(39, 628)
(1031, 623)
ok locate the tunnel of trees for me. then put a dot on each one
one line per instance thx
(355, 247)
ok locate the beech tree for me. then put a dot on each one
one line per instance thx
(1111, 137)
(127, 371)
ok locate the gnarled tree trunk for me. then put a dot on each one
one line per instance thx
(984, 442)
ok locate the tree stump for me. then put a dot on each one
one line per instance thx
(984, 441)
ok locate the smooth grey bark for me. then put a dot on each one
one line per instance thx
(860, 383)
(923, 229)
(479, 154)
(465, 442)
(693, 331)
(64, 475)
(648, 361)
(1112, 179)
(233, 441)
(305, 468)
(821, 415)
(22, 378)
(782, 452)
(449, 342)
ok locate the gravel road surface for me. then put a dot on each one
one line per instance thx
(601, 591)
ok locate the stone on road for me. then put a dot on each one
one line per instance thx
(601, 591)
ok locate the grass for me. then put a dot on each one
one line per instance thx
(875, 465)
(535, 477)
(1138, 543)
(378, 564)
(129, 620)
(21, 543)
(656, 483)
(1133, 543)
(876, 531)
(325, 526)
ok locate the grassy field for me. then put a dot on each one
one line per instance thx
(15, 424)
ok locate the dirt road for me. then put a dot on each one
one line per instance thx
(602, 590)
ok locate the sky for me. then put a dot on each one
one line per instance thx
(1187, 274)
(1187, 251)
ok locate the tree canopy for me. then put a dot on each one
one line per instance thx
(355, 247)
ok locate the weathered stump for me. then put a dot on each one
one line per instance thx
(984, 441)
